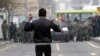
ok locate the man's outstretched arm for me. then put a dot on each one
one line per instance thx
(55, 27)
(28, 26)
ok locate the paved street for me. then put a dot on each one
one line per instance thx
(58, 49)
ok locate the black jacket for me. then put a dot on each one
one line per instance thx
(41, 29)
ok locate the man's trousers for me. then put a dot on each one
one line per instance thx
(43, 49)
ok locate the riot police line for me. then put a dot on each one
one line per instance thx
(82, 30)
(10, 32)
(86, 29)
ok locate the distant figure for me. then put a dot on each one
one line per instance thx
(42, 34)
(12, 31)
(95, 26)
(25, 35)
(4, 30)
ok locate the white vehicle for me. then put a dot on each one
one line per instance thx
(61, 36)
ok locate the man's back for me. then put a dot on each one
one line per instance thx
(41, 29)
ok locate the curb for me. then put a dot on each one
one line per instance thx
(95, 40)
(5, 42)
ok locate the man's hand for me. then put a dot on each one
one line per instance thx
(29, 17)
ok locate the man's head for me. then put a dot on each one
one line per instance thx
(11, 22)
(42, 12)
(30, 16)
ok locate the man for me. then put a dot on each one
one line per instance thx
(4, 30)
(12, 31)
(42, 34)
(95, 26)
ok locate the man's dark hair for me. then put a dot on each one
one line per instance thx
(42, 12)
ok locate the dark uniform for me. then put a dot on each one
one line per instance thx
(4, 30)
(12, 31)
(95, 27)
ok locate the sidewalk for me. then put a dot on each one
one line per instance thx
(96, 39)
(4, 42)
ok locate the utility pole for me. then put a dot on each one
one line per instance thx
(99, 2)
(26, 9)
